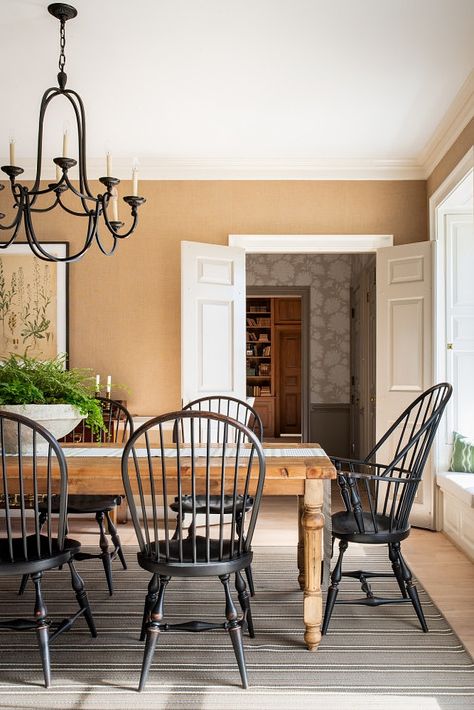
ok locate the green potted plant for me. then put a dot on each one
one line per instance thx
(45, 391)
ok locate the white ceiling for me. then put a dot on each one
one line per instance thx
(275, 85)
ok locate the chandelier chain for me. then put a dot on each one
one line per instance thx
(62, 46)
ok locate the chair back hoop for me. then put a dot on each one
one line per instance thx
(411, 437)
(201, 472)
(230, 407)
(34, 471)
(118, 424)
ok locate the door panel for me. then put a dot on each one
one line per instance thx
(404, 347)
(289, 379)
(212, 320)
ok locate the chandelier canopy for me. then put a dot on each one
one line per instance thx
(95, 209)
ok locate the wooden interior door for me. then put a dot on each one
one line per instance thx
(288, 341)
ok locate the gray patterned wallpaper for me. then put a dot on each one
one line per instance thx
(329, 277)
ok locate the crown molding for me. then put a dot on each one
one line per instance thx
(450, 128)
(242, 169)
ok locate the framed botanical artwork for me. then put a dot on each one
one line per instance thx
(33, 302)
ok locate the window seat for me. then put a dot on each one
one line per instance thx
(457, 508)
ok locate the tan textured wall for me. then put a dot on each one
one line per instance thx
(449, 161)
(125, 310)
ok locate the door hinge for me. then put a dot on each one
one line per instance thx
(450, 346)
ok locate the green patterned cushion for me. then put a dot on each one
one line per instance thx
(463, 454)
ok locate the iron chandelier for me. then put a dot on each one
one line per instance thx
(95, 209)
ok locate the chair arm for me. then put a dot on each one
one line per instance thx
(374, 477)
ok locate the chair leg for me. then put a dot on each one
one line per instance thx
(115, 539)
(150, 601)
(104, 546)
(153, 629)
(334, 588)
(412, 592)
(42, 628)
(393, 553)
(24, 582)
(235, 630)
(176, 532)
(81, 596)
(249, 575)
(244, 601)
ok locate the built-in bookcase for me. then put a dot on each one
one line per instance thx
(273, 359)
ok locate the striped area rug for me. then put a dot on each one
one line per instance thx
(371, 658)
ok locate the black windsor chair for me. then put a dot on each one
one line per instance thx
(194, 468)
(378, 499)
(243, 413)
(35, 477)
(118, 427)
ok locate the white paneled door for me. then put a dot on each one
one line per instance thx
(404, 346)
(212, 321)
(459, 335)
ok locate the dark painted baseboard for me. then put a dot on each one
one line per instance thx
(329, 426)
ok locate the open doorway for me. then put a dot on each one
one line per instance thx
(278, 360)
(336, 319)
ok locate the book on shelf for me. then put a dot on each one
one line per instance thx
(264, 368)
(263, 322)
(251, 322)
(266, 352)
(265, 391)
(263, 338)
(252, 336)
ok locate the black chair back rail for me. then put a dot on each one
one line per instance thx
(117, 421)
(230, 407)
(222, 476)
(34, 478)
(21, 495)
(119, 425)
(378, 499)
(225, 471)
(236, 409)
(390, 489)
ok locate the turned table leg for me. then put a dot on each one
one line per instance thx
(313, 522)
(300, 503)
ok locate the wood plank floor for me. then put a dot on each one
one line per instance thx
(445, 572)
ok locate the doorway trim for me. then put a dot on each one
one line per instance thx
(304, 293)
(437, 210)
(310, 243)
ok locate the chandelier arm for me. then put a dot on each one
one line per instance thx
(82, 197)
(17, 195)
(48, 96)
(4, 245)
(19, 204)
(81, 135)
(46, 209)
(73, 212)
(106, 252)
(41, 253)
(127, 234)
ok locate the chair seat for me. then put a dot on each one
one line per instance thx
(344, 527)
(241, 560)
(214, 504)
(56, 556)
(84, 503)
